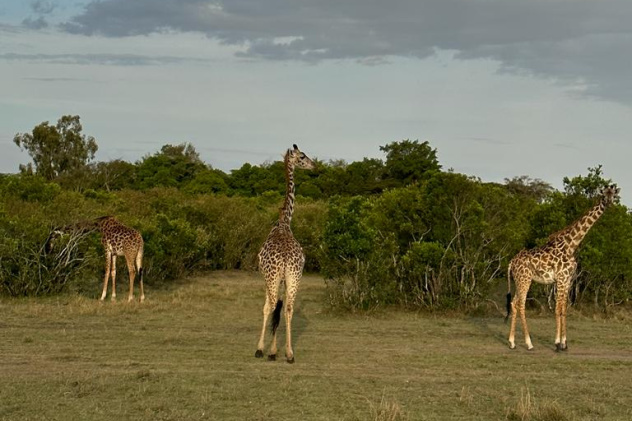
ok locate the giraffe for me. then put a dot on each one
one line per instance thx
(281, 260)
(554, 262)
(117, 240)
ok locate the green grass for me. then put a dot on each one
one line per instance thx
(187, 353)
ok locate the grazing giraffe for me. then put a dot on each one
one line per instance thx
(552, 263)
(281, 259)
(117, 240)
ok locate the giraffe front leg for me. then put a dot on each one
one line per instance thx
(561, 300)
(563, 338)
(108, 263)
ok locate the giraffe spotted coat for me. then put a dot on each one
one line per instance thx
(552, 263)
(281, 261)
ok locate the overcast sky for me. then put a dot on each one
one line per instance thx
(501, 88)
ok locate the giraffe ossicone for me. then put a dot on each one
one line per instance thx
(553, 263)
(281, 261)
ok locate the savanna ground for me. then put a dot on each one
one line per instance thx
(187, 353)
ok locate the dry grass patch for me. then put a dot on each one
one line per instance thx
(187, 353)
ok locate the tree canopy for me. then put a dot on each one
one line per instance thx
(57, 150)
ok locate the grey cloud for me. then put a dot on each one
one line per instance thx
(584, 44)
(39, 23)
(103, 59)
(43, 7)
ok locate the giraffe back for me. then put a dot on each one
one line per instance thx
(118, 238)
(281, 253)
(543, 264)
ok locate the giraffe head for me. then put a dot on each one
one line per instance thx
(610, 194)
(52, 238)
(299, 159)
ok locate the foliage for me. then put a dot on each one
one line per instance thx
(171, 167)
(410, 161)
(397, 231)
(442, 242)
(57, 150)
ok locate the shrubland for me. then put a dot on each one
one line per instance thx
(394, 232)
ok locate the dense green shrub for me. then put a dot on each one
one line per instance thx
(394, 232)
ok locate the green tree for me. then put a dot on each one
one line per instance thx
(57, 150)
(588, 186)
(528, 187)
(409, 161)
(173, 166)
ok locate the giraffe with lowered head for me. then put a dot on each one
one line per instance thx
(117, 240)
(281, 260)
(554, 262)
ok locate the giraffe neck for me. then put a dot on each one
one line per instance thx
(578, 230)
(285, 215)
(89, 225)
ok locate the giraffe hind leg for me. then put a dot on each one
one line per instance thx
(272, 285)
(518, 307)
(561, 303)
(139, 267)
(113, 274)
(276, 319)
(131, 270)
(292, 280)
(108, 265)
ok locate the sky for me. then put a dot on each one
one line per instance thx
(500, 88)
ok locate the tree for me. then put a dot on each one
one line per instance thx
(57, 150)
(589, 186)
(173, 166)
(409, 161)
(530, 188)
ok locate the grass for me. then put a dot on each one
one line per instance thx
(187, 353)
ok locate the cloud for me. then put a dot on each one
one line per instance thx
(585, 45)
(43, 7)
(40, 8)
(39, 23)
(102, 59)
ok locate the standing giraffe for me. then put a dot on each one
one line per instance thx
(117, 240)
(281, 259)
(552, 263)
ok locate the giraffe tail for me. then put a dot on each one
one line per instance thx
(276, 316)
(508, 292)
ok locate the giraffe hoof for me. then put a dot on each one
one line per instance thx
(272, 357)
(259, 353)
(290, 360)
(560, 347)
(530, 349)
(512, 346)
